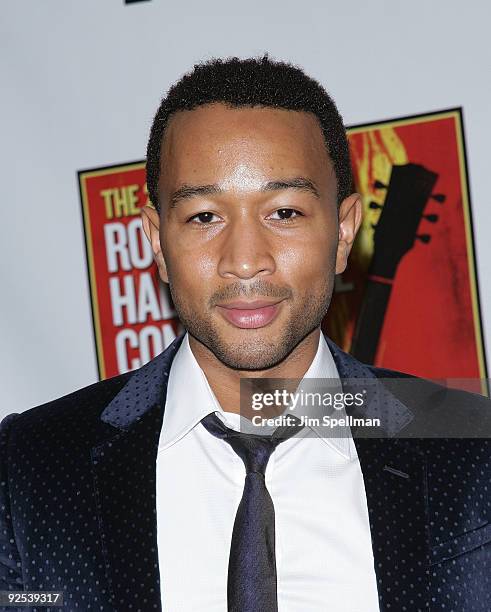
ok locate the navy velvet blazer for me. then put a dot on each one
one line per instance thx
(77, 498)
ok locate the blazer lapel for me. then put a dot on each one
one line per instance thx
(124, 471)
(394, 474)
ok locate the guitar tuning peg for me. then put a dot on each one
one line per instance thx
(431, 218)
(438, 197)
(379, 185)
(374, 205)
(423, 237)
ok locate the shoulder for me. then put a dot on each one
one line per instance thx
(421, 390)
(76, 417)
(441, 412)
(78, 411)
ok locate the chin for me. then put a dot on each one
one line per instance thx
(250, 361)
(252, 349)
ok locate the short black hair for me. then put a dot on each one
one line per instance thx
(252, 82)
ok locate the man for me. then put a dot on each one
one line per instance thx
(143, 492)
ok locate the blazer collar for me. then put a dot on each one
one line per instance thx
(149, 385)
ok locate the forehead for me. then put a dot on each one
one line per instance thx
(211, 139)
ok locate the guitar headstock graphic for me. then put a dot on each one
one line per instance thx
(409, 189)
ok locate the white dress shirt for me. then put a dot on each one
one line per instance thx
(324, 555)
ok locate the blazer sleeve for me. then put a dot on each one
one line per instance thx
(10, 565)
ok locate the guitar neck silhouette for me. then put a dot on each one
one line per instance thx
(410, 187)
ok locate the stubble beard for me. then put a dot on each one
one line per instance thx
(257, 354)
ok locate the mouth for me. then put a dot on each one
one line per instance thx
(250, 315)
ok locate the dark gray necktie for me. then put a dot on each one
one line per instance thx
(251, 585)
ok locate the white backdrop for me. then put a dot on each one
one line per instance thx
(81, 80)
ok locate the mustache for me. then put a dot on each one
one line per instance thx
(257, 289)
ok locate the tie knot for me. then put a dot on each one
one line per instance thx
(254, 450)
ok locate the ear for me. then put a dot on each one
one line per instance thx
(151, 227)
(350, 215)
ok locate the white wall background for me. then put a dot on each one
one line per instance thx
(81, 80)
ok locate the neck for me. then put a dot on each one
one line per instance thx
(225, 381)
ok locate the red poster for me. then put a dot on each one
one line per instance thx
(132, 311)
(408, 300)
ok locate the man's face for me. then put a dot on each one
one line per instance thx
(249, 229)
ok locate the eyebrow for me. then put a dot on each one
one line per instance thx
(187, 192)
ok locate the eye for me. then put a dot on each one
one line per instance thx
(285, 214)
(202, 218)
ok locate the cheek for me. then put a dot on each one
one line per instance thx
(312, 257)
(189, 266)
(201, 265)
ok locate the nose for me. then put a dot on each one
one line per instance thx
(246, 250)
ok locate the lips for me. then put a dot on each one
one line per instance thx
(250, 315)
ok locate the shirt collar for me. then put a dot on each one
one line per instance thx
(190, 398)
(324, 367)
